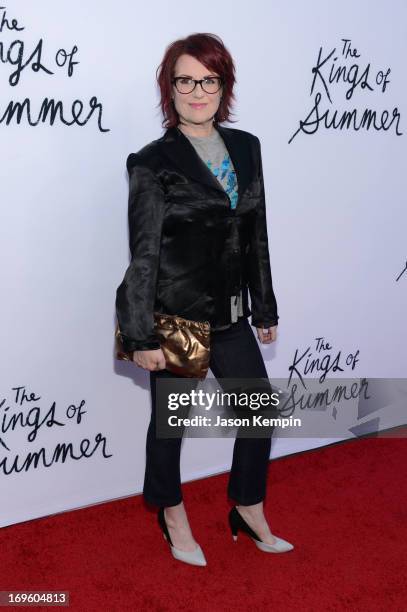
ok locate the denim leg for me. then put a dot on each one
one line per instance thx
(162, 479)
(235, 353)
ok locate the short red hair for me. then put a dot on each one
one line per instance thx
(212, 53)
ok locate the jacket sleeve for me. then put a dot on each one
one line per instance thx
(135, 296)
(263, 301)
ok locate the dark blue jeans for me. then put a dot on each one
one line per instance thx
(235, 353)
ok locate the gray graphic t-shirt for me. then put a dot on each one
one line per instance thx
(214, 153)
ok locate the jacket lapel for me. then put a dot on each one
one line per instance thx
(176, 146)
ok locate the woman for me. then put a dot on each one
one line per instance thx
(198, 243)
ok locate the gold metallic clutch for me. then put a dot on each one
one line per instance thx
(185, 344)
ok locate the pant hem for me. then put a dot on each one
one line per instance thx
(163, 503)
(245, 501)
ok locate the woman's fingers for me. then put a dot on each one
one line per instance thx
(161, 362)
(150, 360)
(267, 335)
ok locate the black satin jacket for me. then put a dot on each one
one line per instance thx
(189, 250)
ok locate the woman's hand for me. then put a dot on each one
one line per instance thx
(150, 360)
(267, 335)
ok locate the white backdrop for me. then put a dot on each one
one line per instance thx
(335, 200)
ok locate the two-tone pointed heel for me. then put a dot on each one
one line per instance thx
(194, 557)
(236, 522)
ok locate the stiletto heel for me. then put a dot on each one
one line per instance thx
(194, 557)
(236, 522)
(233, 527)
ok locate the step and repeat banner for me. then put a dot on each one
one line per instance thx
(324, 88)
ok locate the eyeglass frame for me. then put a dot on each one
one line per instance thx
(196, 81)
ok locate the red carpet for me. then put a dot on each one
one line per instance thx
(343, 507)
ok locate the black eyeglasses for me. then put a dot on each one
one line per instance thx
(184, 85)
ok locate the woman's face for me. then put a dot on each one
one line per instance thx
(197, 107)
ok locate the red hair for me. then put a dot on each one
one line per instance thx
(212, 53)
